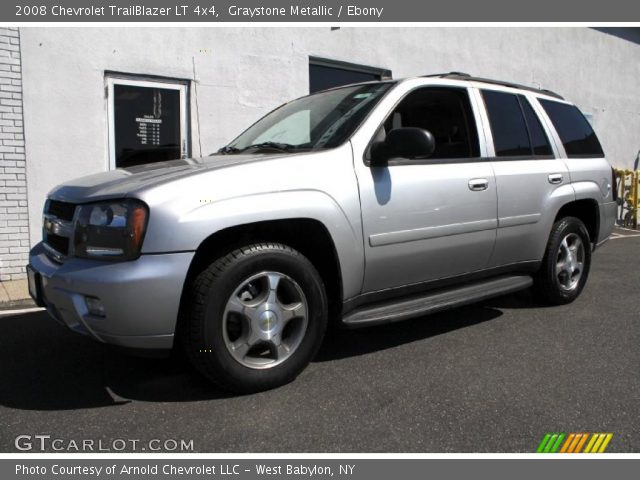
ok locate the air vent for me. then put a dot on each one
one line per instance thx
(58, 243)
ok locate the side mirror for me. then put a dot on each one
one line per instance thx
(407, 142)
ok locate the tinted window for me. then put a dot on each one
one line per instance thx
(539, 139)
(574, 130)
(147, 124)
(510, 136)
(446, 113)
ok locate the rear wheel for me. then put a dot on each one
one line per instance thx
(566, 263)
(258, 316)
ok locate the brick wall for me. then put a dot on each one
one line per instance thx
(14, 221)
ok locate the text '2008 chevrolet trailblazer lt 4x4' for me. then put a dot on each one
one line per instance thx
(366, 204)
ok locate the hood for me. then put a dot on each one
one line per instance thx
(122, 182)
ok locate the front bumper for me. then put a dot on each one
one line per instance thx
(141, 298)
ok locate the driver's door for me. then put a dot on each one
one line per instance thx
(434, 218)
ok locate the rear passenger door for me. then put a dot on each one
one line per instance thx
(531, 180)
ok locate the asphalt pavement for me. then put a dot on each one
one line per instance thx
(493, 377)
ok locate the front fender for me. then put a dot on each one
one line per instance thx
(193, 226)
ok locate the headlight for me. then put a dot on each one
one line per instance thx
(111, 230)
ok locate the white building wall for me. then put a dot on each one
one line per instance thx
(242, 73)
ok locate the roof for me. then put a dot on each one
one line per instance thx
(470, 78)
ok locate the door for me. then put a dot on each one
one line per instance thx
(531, 182)
(147, 121)
(434, 218)
(325, 74)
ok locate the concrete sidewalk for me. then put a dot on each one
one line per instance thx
(15, 293)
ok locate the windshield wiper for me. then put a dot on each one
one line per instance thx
(281, 147)
(228, 149)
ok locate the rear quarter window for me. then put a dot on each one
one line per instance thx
(575, 132)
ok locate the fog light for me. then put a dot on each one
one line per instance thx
(95, 306)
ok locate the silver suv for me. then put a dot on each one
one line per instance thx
(364, 204)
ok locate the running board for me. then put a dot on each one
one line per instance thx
(435, 301)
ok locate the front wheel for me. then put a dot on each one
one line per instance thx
(566, 263)
(258, 316)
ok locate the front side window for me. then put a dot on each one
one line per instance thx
(446, 113)
(577, 136)
(316, 122)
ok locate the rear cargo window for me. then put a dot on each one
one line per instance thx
(577, 136)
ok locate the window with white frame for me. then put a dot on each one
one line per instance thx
(147, 119)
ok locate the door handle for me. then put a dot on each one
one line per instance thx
(555, 178)
(478, 184)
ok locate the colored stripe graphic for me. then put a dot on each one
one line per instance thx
(592, 440)
(578, 441)
(599, 443)
(543, 443)
(573, 442)
(555, 447)
(550, 443)
(568, 442)
(604, 445)
(581, 443)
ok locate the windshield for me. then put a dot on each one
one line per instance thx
(319, 121)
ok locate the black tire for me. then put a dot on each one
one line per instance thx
(202, 335)
(547, 283)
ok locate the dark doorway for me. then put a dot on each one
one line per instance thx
(324, 74)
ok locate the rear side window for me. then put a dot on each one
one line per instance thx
(577, 136)
(510, 136)
(539, 140)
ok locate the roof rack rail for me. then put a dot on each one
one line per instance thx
(447, 74)
(470, 78)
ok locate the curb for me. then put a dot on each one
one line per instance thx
(14, 304)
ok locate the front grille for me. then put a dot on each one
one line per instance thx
(58, 243)
(62, 210)
(58, 218)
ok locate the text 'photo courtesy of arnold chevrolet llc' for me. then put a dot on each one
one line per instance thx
(247, 227)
